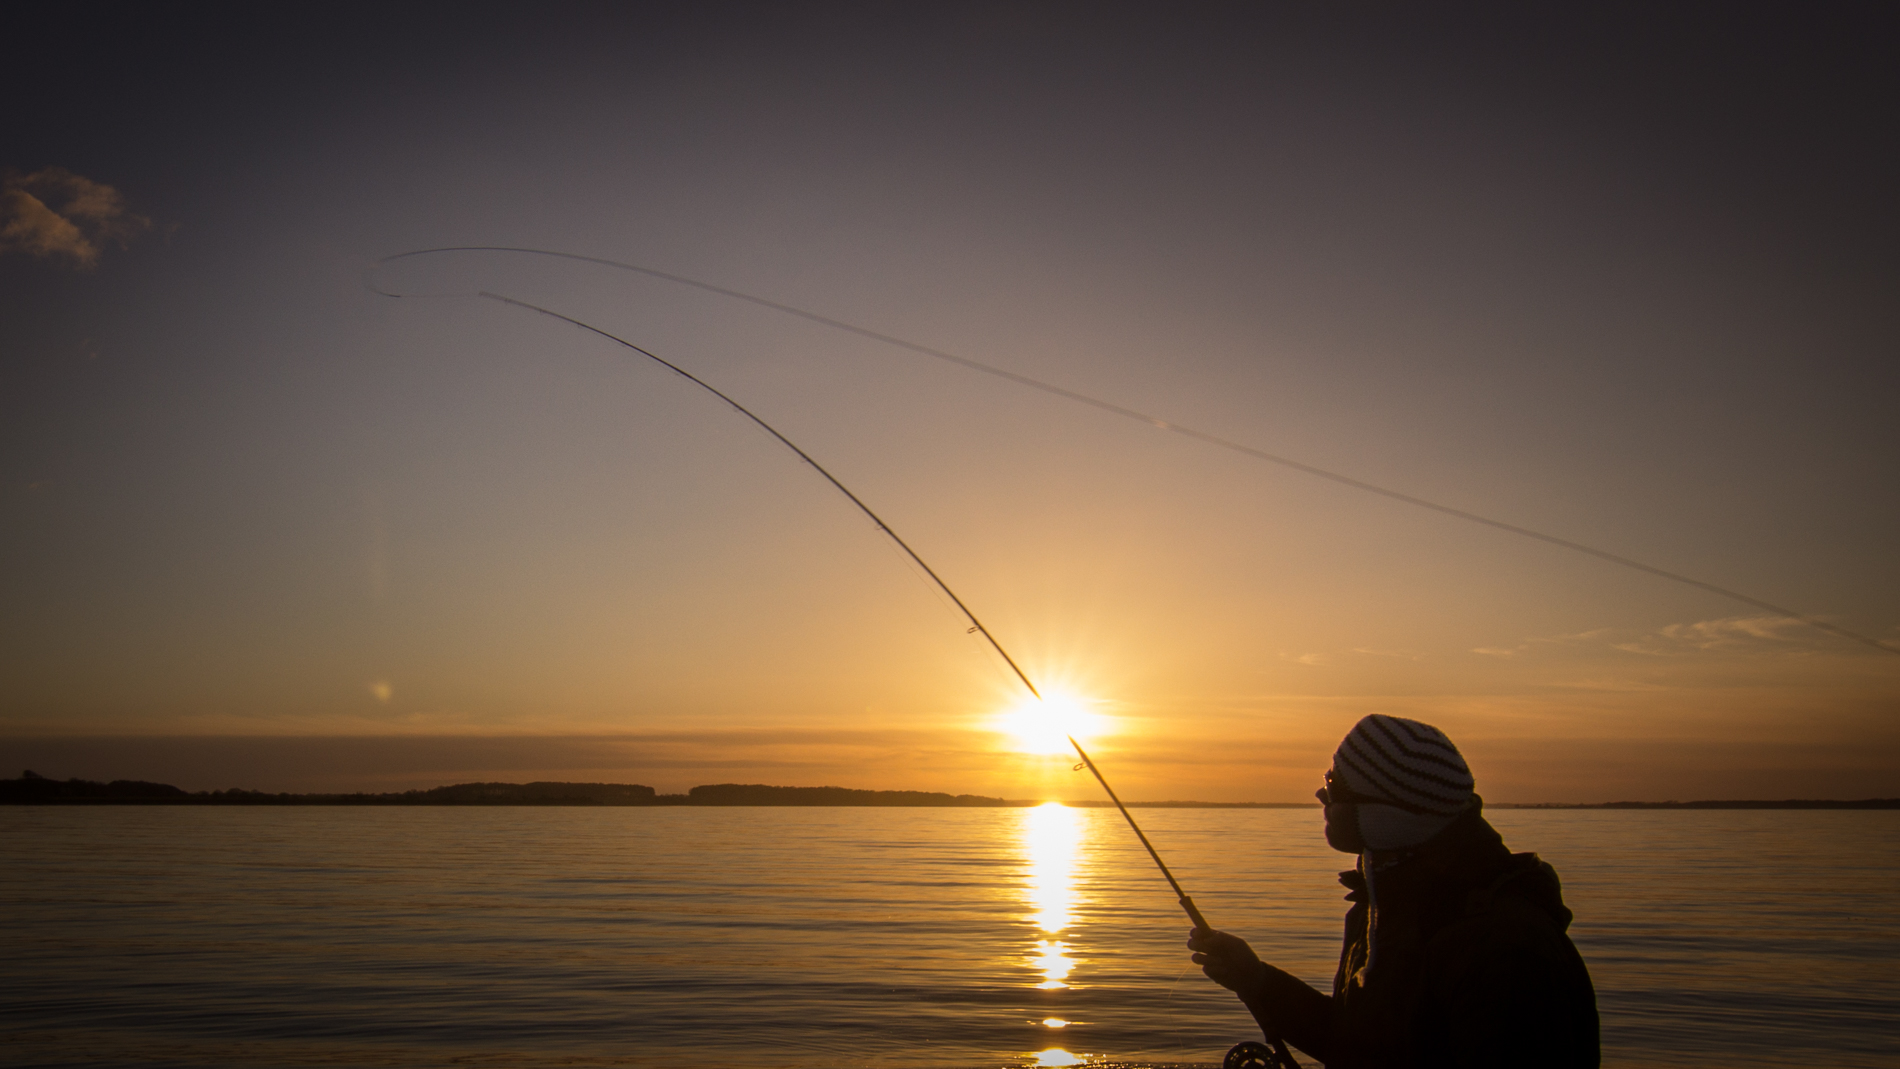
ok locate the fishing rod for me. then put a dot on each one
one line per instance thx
(1280, 1059)
(976, 625)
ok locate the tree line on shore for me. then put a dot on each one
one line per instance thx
(34, 789)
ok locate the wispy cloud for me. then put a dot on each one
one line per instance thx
(1333, 658)
(58, 215)
(1734, 633)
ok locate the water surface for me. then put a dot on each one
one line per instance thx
(920, 938)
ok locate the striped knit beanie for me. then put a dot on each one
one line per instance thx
(1415, 767)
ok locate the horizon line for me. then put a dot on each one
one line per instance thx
(164, 793)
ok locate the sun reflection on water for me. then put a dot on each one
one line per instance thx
(1052, 840)
(1052, 959)
(1056, 1056)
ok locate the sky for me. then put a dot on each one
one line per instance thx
(1622, 275)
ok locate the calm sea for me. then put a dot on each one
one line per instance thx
(862, 937)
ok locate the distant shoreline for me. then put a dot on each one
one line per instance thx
(32, 789)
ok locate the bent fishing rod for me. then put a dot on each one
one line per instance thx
(976, 625)
(1153, 421)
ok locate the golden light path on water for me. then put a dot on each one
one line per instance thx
(1052, 843)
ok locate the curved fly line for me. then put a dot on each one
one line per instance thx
(1097, 403)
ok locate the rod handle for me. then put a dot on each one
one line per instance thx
(1194, 914)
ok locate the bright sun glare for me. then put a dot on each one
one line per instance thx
(1044, 727)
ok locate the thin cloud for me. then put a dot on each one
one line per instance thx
(1332, 658)
(58, 215)
(1731, 633)
(1593, 637)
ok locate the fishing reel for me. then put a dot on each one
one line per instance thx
(1251, 1055)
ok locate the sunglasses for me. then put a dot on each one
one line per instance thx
(1337, 793)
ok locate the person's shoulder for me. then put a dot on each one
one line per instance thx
(1518, 891)
(1512, 919)
(1526, 880)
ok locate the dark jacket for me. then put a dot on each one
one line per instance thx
(1455, 955)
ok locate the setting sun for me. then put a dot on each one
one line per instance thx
(1044, 727)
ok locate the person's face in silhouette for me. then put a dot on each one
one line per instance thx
(1342, 819)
